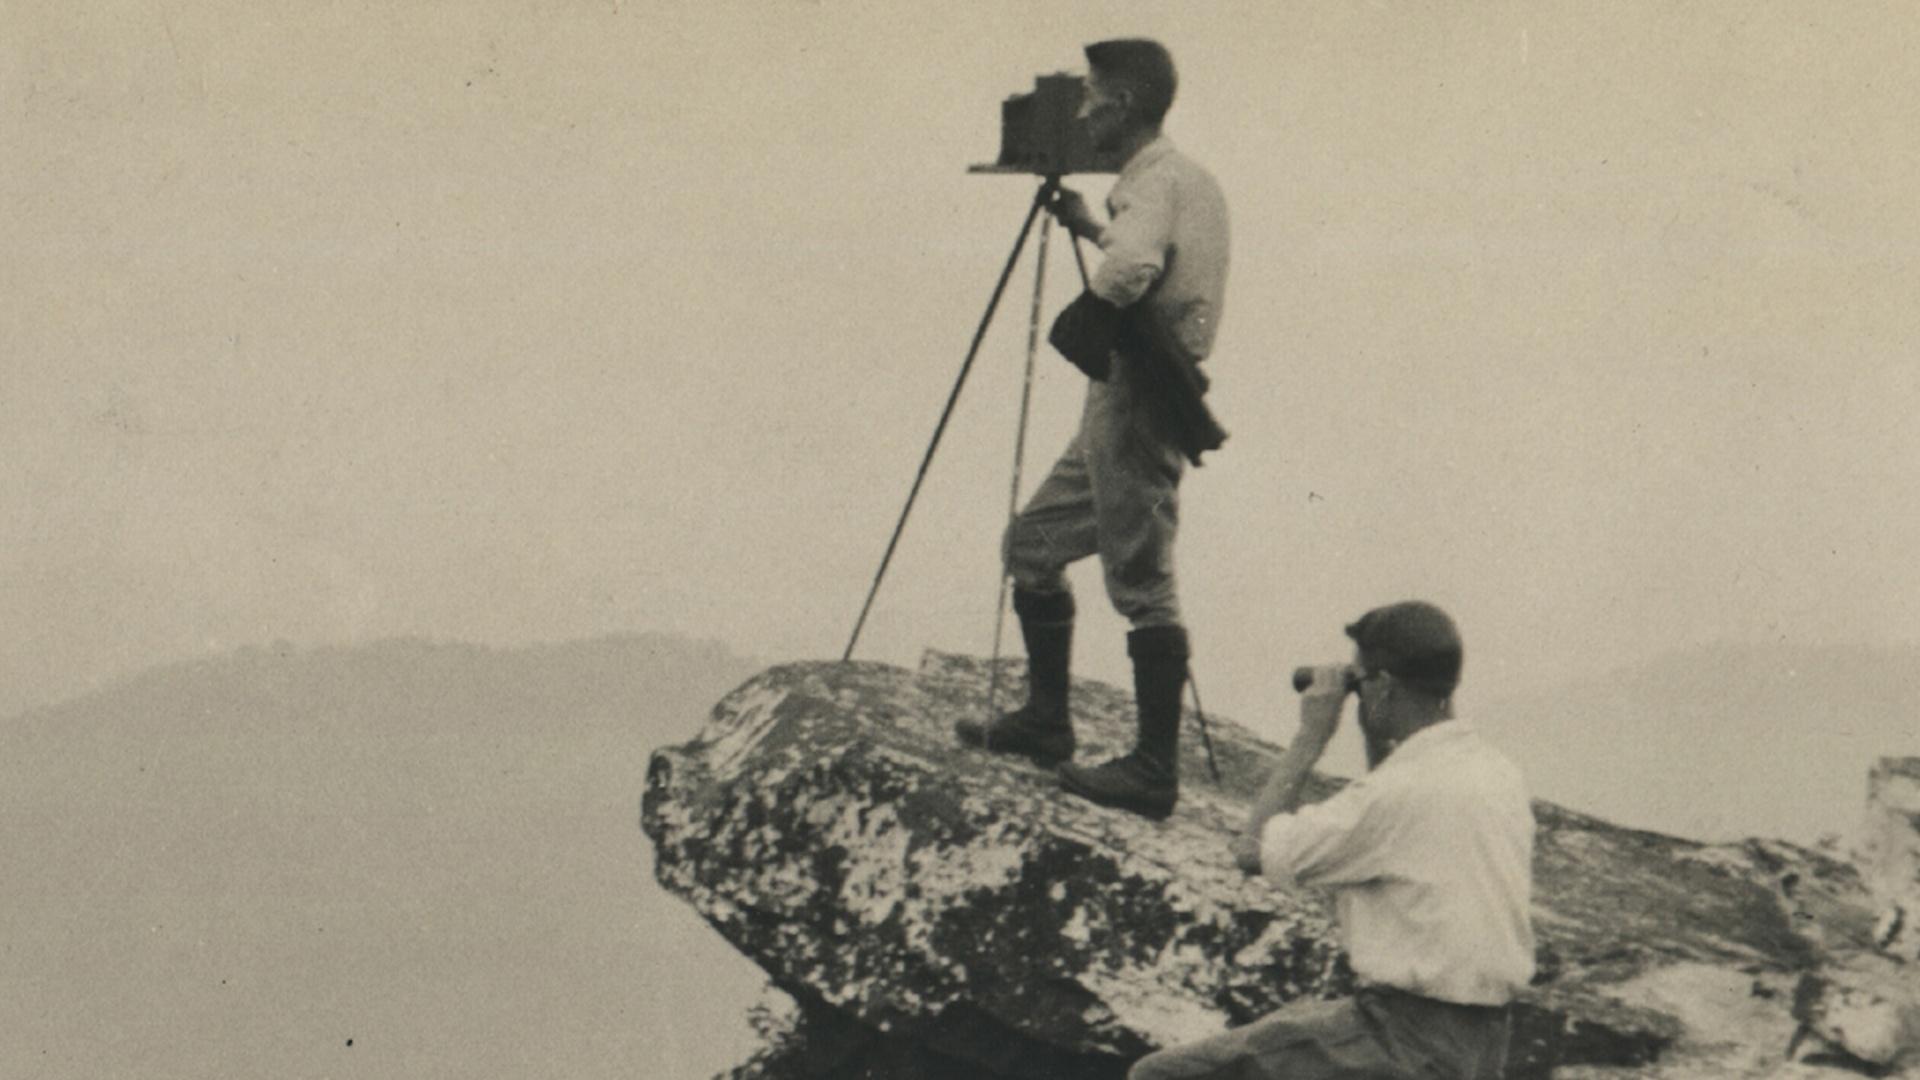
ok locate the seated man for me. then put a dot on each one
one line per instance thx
(1429, 857)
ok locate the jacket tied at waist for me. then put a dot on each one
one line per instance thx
(1090, 330)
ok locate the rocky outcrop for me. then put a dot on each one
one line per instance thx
(1866, 1006)
(1892, 837)
(935, 911)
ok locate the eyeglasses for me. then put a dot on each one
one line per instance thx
(1357, 677)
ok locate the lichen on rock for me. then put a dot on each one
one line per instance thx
(935, 910)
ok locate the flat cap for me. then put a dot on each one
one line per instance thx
(1413, 641)
(1141, 63)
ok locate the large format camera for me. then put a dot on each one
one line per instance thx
(1041, 133)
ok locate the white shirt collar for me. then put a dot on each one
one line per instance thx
(1428, 740)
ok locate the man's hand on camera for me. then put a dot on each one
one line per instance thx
(1321, 702)
(1069, 209)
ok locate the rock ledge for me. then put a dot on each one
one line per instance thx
(935, 911)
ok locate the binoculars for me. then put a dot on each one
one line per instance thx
(1303, 678)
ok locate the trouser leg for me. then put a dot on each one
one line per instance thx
(1309, 1040)
(1437, 1038)
(1114, 492)
(1134, 479)
(1056, 528)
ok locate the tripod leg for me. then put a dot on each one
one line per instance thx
(1201, 715)
(1019, 456)
(946, 414)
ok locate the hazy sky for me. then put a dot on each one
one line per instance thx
(514, 321)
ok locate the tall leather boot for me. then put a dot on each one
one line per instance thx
(1146, 781)
(1040, 729)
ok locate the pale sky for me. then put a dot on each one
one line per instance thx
(523, 321)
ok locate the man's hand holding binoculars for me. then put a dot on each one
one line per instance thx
(1323, 693)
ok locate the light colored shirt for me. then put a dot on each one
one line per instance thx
(1168, 228)
(1430, 858)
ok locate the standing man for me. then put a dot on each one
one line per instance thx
(1429, 857)
(1114, 491)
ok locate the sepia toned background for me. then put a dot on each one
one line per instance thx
(520, 323)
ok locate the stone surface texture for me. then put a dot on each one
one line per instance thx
(1892, 854)
(936, 911)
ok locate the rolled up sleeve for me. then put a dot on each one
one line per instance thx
(1337, 842)
(1136, 243)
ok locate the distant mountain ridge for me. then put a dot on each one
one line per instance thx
(1720, 741)
(397, 859)
(636, 673)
